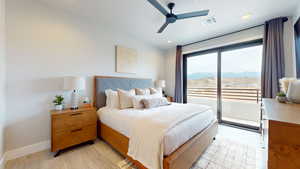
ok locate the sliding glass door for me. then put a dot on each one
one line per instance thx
(228, 80)
(240, 83)
(202, 79)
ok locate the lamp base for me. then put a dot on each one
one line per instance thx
(74, 108)
(74, 100)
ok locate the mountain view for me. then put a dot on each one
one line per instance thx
(229, 79)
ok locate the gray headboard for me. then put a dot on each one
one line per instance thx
(103, 83)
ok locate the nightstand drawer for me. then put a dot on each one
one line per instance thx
(73, 120)
(72, 137)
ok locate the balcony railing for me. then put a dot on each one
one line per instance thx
(246, 94)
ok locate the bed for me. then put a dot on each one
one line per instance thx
(183, 144)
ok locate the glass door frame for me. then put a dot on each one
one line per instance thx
(219, 51)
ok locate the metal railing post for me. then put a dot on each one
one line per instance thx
(257, 92)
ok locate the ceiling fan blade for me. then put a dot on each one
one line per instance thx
(192, 14)
(162, 28)
(158, 6)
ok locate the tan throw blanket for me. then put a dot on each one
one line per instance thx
(147, 131)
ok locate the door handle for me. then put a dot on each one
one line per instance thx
(76, 130)
(75, 114)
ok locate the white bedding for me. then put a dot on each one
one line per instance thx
(122, 121)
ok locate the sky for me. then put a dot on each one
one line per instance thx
(239, 60)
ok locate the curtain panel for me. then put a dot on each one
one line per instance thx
(297, 44)
(273, 57)
(179, 76)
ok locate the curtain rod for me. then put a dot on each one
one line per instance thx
(222, 35)
(285, 19)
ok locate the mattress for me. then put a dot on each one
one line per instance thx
(120, 121)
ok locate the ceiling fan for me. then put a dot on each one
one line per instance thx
(172, 18)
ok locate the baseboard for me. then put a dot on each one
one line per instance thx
(23, 151)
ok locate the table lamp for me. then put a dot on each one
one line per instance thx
(74, 84)
(161, 84)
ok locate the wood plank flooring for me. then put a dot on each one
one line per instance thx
(96, 156)
(102, 156)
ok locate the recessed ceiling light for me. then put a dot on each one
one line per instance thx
(169, 41)
(247, 16)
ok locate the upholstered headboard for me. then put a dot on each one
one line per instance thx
(103, 83)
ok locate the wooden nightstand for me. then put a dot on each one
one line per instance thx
(72, 127)
(170, 98)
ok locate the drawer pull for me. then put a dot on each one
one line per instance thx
(76, 130)
(76, 114)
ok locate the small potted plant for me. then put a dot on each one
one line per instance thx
(281, 97)
(58, 102)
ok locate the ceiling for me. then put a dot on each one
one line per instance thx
(139, 19)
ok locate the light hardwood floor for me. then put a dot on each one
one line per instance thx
(101, 156)
(96, 156)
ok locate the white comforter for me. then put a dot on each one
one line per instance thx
(148, 129)
(120, 120)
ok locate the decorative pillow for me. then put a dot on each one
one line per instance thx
(112, 99)
(155, 102)
(137, 101)
(142, 91)
(156, 91)
(126, 98)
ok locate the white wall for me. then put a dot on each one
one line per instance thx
(2, 76)
(43, 45)
(169, 76)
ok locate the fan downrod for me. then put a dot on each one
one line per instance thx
(171, 5)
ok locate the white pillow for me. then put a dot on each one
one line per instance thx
(142, 91)
(155, 102)
(156, 91)
(293, 93)
(112, 99)
(125, 98)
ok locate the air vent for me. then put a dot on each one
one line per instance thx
(210, 20)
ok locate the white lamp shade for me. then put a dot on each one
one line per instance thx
(160, 83)
(74, 83)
